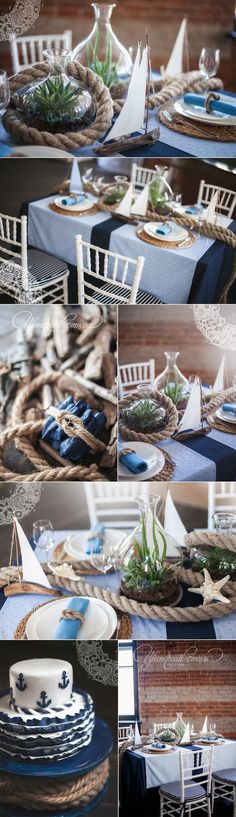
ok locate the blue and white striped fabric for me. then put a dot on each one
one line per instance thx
(13, 609)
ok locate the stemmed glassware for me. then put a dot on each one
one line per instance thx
(4, 92)
(209, 62)
(43, 537)
(106, 558)
(176, 201)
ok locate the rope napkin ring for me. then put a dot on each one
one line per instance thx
(209, 99)
(72, 615)
(74, 427)
(126, 451)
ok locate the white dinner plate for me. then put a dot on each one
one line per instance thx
(153, 456)
(86, 204)
(40, 152)
(225, 416)
(200, 114)
(158, 749)
(100, 620)
(76, 544)
(177, 233)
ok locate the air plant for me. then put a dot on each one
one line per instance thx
(53, 100)
(173, 391)
(145, 415)
(148, 567)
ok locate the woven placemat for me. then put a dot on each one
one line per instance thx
(178, 245)
(167, 471)
(125, 628)
(198, 130)
(226, 396)
(80, 565)
(221, 425)
(57, 209)
(157, 751)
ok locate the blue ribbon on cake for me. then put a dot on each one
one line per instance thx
(73, 448)
(96, 539)
(216, 105)
(69, 628)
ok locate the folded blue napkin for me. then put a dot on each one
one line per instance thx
(96, 539)
(229, 407)
(216, 105)
(164, 229)
(71, 200)
(158, 745)
(193, 210)
(68, 628)
(134, 463)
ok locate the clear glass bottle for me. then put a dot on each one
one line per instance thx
(179, 724)
(102, 52)
(160, 191)
(58, 102)
(218, 561)
(171, 381)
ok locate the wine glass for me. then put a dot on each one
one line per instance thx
(176, 201)
(4, 92)
(212, 728)
(43, 537)
(120, 178)
(209, 62)
(104, 559)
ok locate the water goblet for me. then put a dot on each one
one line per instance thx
(209, 62)
(43, 537)
(104, 559)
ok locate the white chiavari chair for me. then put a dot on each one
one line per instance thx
(224, 787)
(26, 51)
(25, 273)
(221, 497)
(114, 505)
(140, 176)
(192, 791)
(131, 375)
(226, 198)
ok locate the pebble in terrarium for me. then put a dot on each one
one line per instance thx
(58, 102)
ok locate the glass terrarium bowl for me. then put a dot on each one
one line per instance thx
(145, 415)
(103, 53)
(218, 562)
(58, 102)
(160, 192)
(115, 193)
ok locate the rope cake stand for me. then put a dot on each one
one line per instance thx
(70, 788)
(14, 121)
(26, 436)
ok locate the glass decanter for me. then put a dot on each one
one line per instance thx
(58, 102)
(160, 191)
(171, 381)
(179, 724)
(102, 52)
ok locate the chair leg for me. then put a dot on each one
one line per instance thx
(65, 289)
(208, 807)
(213, 795)
(161, 806)
(234, 808)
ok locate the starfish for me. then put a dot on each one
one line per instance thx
(211, 590)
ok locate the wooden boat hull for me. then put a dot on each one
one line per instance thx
(22, 588)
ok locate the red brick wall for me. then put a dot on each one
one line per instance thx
(209, 22)
(148, 333)
(195, 678)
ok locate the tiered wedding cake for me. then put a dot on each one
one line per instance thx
(44, 718)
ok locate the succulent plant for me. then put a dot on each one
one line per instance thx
(145, 415)
(115, 194)
(173, 391)
(145, 567)
(156, 192)
(53, 100)
(104, 68)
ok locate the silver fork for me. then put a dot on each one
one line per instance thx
(178, 121)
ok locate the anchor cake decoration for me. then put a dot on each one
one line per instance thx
(45, 701)
(64, 682)
(21, 684)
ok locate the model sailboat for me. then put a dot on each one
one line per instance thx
(179, 54)
(133, 204)
(191, 423)
(32, 578)
(132, 115)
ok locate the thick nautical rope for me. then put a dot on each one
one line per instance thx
(52, 793)
(191, 81)
(72, 615)
(224, 541)
(74, 427)
(68, 140)
(153, 611)
(167, 431)
(25, 436)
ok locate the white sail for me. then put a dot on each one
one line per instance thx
(210, 211)
(173, 525)
(131, 117)
(219, 381)
(205, 726)
(186, 735)
(137, 738)
(124, 208)
(31, 569)
(175, 64)
(139, 207)
(75, 185)
(192, 415)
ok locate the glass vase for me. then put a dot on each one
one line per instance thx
(160, 192)
(103, 53)
(57, 102)
(179, 724)
(171, 381)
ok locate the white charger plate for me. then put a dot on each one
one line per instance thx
(177, 234)
(85, 205)
(225, 416)
(76, 544)
(154, 749)
(100, 620)
(40, 152)
(201, 115)
(153, 456)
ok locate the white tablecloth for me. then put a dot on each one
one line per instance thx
(167, 273)
(165, 768)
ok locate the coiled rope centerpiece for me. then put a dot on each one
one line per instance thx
(47, 795)
(167, 431)
(25, 436)
(14, 122)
